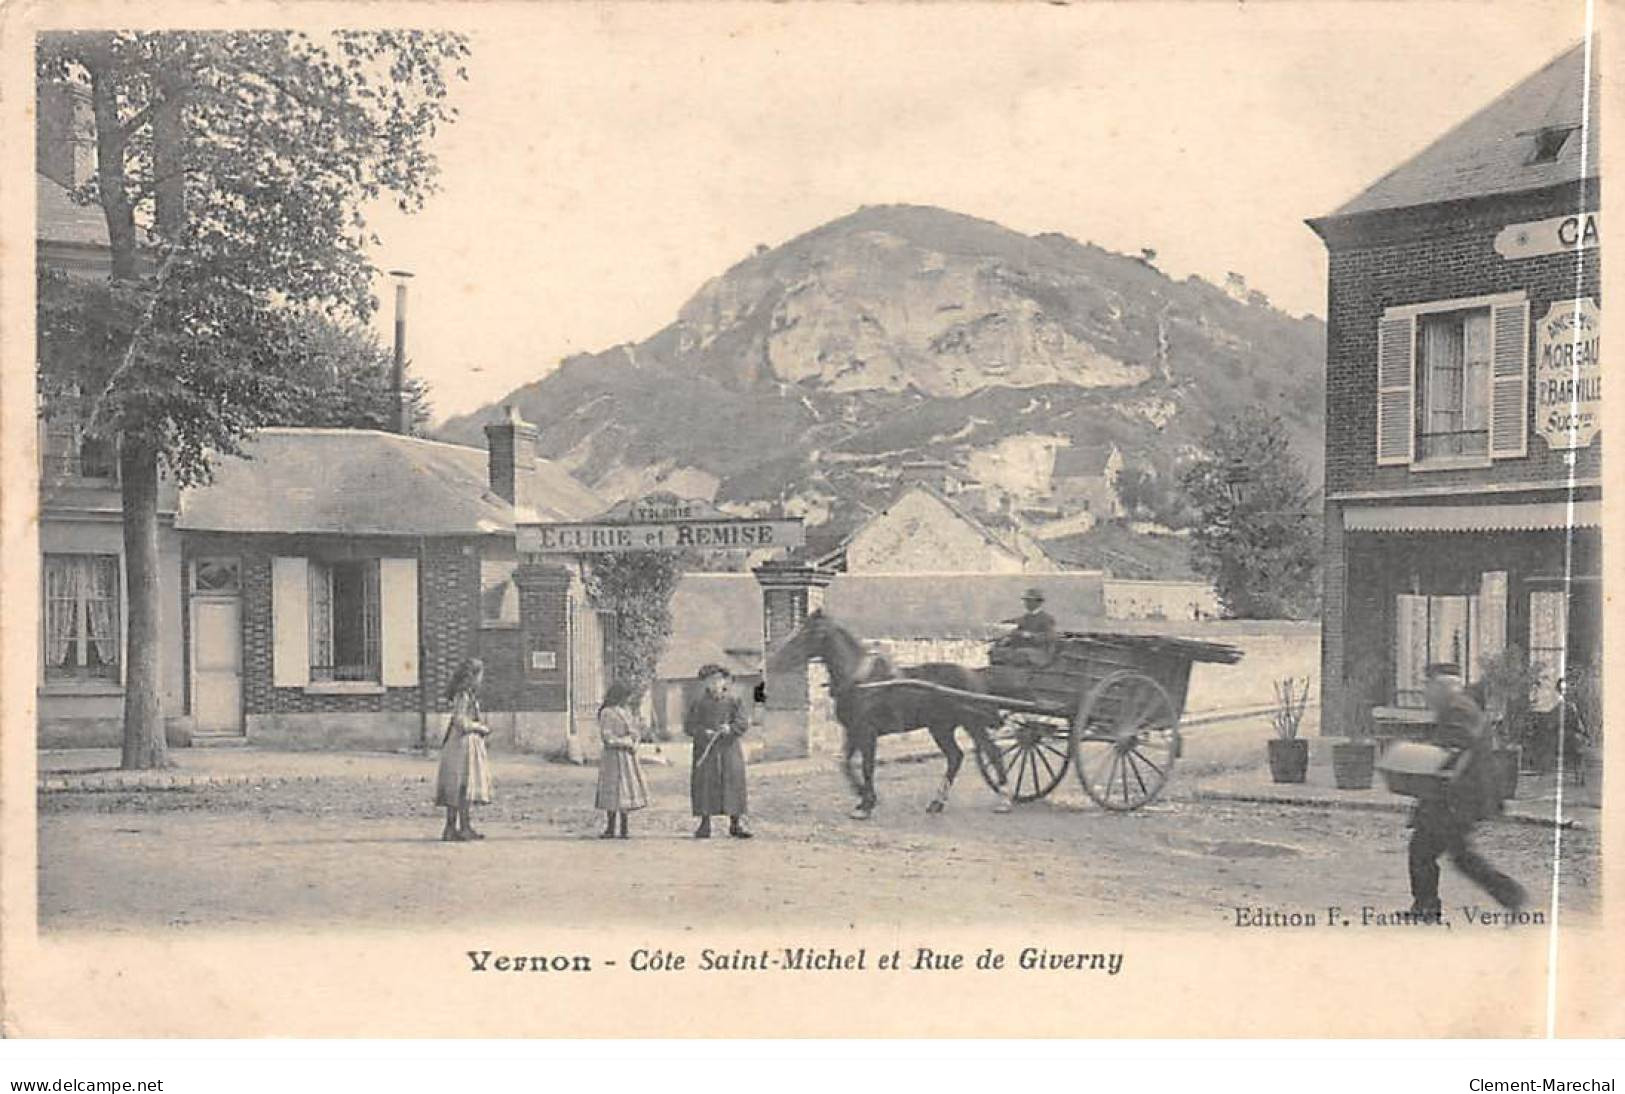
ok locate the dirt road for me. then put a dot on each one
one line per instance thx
(360, 852)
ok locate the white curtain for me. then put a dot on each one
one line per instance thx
(1443, 351)
(1490, 633)
(62, 597)
(321, 615)
(1410, 647)
(1548, 641)
(1478, 353)
(101, 586)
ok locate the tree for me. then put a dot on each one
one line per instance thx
(232, 172)
(1262, 551)
(343, 378)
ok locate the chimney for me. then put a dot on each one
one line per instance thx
(401, 414)
(65, 134)
(510, 454)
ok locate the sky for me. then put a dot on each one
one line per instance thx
(610, 159)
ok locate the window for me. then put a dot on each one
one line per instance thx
(499, 596)
(1549, 143)
(68, 451)
(82, 617)
(1460, 628)
(217, 576)
(1548, 644)
(344, 620)
(1453, 382)
(1453, 357)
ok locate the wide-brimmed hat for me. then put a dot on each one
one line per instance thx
(713, 669)
(1032, 594)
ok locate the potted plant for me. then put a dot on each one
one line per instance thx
(1354, 761)
(1289, 756)
(1505, 681)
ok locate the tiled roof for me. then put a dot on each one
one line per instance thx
(363, 481)
(714, 618)
(1492, 152)
(60, 219)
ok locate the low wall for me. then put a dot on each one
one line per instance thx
(1187, 601)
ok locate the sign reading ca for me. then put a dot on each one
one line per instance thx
(1568, 374)
(1549, 237)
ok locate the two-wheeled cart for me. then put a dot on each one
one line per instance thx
(1108, 706)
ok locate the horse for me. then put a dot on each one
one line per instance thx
(867, 714)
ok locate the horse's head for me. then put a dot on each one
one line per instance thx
(806, 643)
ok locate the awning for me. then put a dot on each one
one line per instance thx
(1526, 517)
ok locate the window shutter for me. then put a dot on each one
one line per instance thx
(1509, 384)
(398, 609)
(290, 623)
(1396, 421)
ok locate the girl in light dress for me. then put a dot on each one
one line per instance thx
(620, 777)
(464, 778)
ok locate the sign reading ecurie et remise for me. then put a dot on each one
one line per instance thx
(661, 523)
(734, 533)
(1568, 374)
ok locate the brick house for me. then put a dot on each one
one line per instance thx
(1462, 511)
(83, 587)
(335, 578)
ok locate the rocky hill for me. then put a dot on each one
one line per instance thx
(802, 378)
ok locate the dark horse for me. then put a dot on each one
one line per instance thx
(867, 714)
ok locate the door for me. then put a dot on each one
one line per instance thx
(217, 664)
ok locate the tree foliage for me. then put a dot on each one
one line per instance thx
(1263, 551)
(1148, 496)
(637, 586)
(343, 377)
(233, 170)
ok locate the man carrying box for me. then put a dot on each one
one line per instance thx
(1443, 820)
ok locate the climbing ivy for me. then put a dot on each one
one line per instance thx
(637, 587)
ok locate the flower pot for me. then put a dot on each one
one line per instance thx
(1353, 764)
(1289, 760)
(1505, 763)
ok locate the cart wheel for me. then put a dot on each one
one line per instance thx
(1034, 751)
(1125, 740)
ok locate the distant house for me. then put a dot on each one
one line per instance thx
(1084, 480)
(334, 579)
(923, 531)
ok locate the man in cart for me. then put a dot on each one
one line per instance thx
(1032, 642)
(1442, 822)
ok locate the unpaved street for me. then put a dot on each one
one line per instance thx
(366, 852)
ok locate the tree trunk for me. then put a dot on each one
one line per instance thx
(144, 743)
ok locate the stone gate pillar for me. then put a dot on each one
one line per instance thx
(542, 705)
(790, 590)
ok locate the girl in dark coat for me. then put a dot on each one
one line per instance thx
(716, 720)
